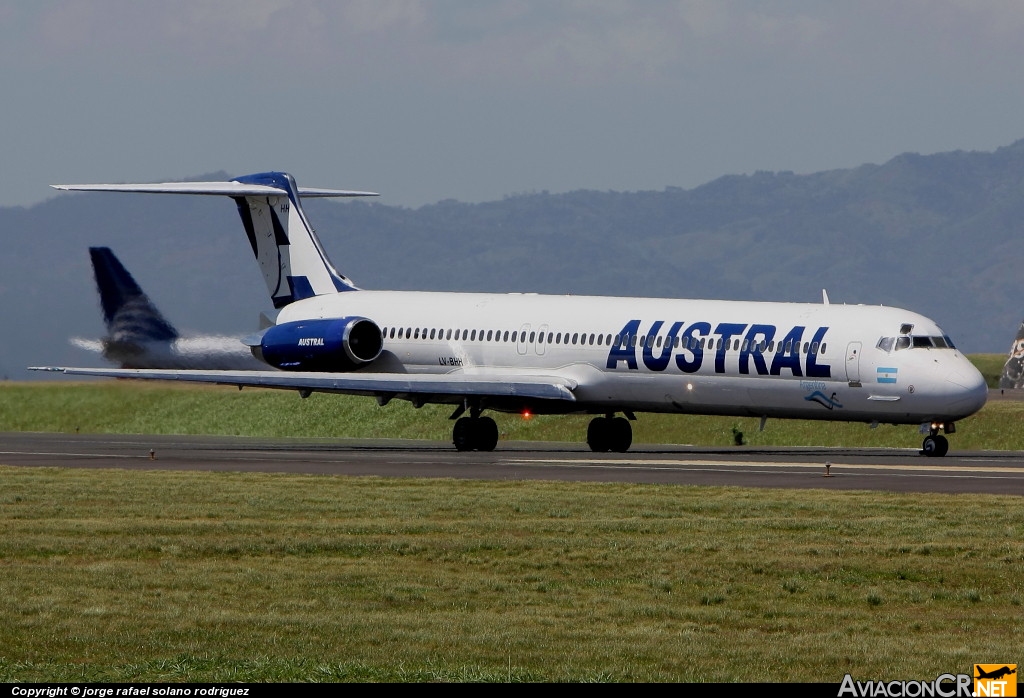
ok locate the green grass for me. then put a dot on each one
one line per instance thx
(990, 365)
(168, 576)
(152, 408)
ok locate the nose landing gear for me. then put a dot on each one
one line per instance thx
(935, 444)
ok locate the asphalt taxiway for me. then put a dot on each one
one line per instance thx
(897, 470)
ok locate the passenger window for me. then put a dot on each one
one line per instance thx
(551, 336)
(805, 347)
(506, 336)
(814, 347)
(533, 336)
(472, 335)
(490, 333)
(823, 348)
(591, 342)
(515, 335)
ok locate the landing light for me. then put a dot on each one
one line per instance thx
(689, 386)
(527, 414)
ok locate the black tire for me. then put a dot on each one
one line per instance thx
(620, 435)
(935, 446)
(464, 434)
(597, 434)
(486, 434)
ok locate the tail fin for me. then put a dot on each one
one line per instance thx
(1013, 369)
(293, 263)
(130, 316)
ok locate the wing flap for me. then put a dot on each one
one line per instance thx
(539, 387)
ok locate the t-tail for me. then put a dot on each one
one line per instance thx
(291, 258)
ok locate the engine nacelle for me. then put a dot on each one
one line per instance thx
(338, 344)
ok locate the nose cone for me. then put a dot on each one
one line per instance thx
(969, 389)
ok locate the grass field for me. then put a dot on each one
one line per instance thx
(163, 576)
(152, 408)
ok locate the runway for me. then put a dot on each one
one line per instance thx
(897, 470)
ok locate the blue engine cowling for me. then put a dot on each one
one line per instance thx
(338, 344)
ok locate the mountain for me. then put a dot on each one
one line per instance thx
(938, 234)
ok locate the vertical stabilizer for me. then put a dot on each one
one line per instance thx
(129, 315)
(1013, 369)
(293, 263)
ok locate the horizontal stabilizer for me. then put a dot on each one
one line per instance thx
(390, 384)
(211, 189)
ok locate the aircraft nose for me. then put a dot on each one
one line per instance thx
(970, 387)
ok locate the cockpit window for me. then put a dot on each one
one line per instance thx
(917, 341)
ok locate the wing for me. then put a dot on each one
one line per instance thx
(427, 387)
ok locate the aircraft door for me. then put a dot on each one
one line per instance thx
(523, 342)
(542, 332)
(853, 362)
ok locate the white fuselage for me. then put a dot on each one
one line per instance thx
(791, 360)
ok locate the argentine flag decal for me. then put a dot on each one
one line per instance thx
(886, 375)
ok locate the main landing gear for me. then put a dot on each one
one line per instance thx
(475, 434)
(935, 444)
(609, 434)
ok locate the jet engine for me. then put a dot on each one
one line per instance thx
(333, 345)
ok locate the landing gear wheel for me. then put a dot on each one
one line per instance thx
(619, 435)
(462, 434)
(475, 434)
(486, 434)
(597, 434)
(935, 445)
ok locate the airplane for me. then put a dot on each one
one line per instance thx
(138, 336)
(1013, 370)
(544, 354)
(994, 674)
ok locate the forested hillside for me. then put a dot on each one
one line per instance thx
(940, 234)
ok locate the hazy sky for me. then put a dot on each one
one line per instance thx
(427, 100)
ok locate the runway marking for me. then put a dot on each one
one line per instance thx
(66, 454)
(674, 464)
